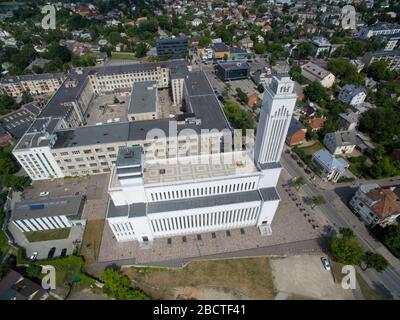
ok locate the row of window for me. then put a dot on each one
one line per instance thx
(198, 192)
(205, 220)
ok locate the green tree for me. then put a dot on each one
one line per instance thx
(316, 92)
(378, 70)
(391, 239)
(299, 182)
(376, 261)
(204, 42)
(346, 250)
(238, 117)
(17, 183)
(242, 95)
(346, 232)
(317, 200)
(260, 48)
(141, 50)
(118, 286)
(34, 271)
(26, 98)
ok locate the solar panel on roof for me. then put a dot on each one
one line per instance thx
(36, 206)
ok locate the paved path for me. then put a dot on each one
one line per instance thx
(299, 247)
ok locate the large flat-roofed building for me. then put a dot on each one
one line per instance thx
(202, 192)
(143, 102)
(17, 122)
(57, 145)
(392, 58)
(37, 84)
(48, 214)
(172, 48)
(313, 72)
(233, 70)
(378, 30)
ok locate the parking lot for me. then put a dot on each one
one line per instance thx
(104, 110)
(304, 275)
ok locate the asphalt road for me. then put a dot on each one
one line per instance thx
(387, 283)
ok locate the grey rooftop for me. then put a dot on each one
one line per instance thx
(141, 209)
(143, 97)
(67, 206)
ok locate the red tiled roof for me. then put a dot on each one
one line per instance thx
(387, 202)
(316, 123)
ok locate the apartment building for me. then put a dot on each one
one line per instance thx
(172, 48)
(392, 58)
(57, 145)
(38, 84)
(378, 30)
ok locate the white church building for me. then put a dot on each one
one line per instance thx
(197, 194)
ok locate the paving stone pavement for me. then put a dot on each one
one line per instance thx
(291, 232)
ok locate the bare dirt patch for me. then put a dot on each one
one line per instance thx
(214, 279)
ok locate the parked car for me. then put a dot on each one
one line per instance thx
(34, 255)
(326, 264)
(44, 193)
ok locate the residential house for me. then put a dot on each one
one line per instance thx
(349, 121)
(313, 72)
(5, 138)
(316, 123)
(246, 43)
(352, 94)
(15, 287)
(330, 167)
(320, 45)
(254, 98)
(296, 133)
(376, 205)
(221, 50)
(341, 142)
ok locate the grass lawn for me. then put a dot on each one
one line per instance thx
(92, 239)
(36, 236)
(123, 56)
(251, 277)
(311, 149)
(3, 244)
(3, 238)
(69, 269)
(366, 290)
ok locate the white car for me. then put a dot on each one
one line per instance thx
(33, 257)
(326, 264)
(44, 193)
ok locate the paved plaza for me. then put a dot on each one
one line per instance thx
(289, 226)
